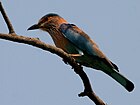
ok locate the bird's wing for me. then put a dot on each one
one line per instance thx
(78, 38)
(82, 41)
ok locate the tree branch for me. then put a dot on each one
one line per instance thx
(9, 25)
(12, 36)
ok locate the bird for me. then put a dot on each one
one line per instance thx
(80, 46)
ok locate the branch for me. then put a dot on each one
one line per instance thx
(77, 68)
(9, 25)
(12, 36)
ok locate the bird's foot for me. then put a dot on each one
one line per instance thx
(75, 55)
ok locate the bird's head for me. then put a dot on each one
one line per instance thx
(48, 22)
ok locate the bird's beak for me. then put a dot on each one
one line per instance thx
(33, 27)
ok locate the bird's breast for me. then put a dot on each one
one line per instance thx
(63, 43)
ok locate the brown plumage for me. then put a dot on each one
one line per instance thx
(79, 45)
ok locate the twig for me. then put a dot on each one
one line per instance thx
(37, 43)
(9, 25)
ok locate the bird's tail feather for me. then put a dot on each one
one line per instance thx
(100, 65)
(127, 84)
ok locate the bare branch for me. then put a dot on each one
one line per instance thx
(38, 44)
(9, 25)
(77, 68)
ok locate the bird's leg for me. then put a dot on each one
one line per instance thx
(75, 55)
(72, 55)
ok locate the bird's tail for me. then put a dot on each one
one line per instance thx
(127, 84)
(101, 65)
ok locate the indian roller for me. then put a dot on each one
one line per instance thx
(80, 46)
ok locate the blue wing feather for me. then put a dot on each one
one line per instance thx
(80, 39)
